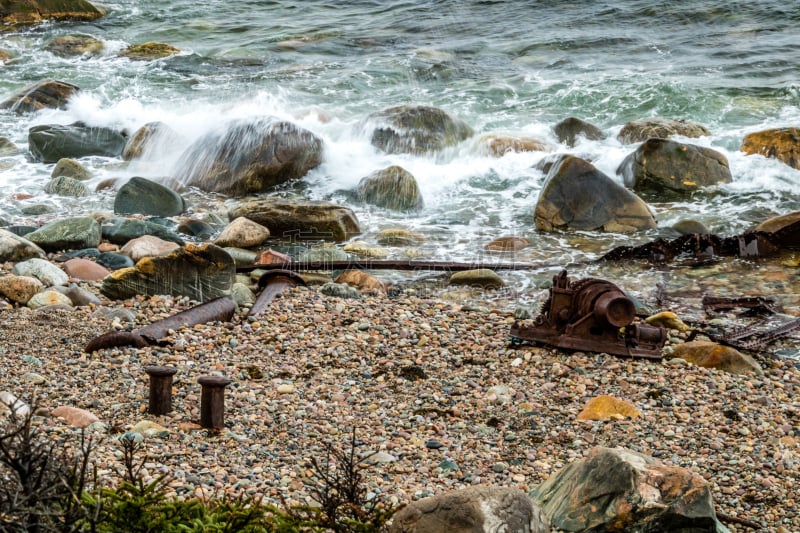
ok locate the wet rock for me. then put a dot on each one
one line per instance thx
(75, 45)
(577, 196)
(242, 256)
(149, 141)
(201, 273)
(249, 156)
(500, 145)
(340, 290)
(67, 234)
(242, 233)
(621, 490)
(15, 248)
(85, 269)
(121, 230)
(7, 147)
(303, 219)
(41, 269)
(713, 355)
(146, 197)
(782, 144)
(270, 256)
(149, 51)
(570, 129)
(45, 94)
(323, 254)
(480, 277)
(50, 142)
(690, 227)
(472, 510)
(115, 261)
(399, 237)
(66, 186)
(667, 319)
(242, 295)
(507, 244)
(661, 166)
(362, 281)
(48, 298)
(148, 246)
(197, 228)
(70, 168)
(20, 289)
(662, 128)
(778, 223)
(392, 188)
(365, 249)
(415, 130)
(607, 407)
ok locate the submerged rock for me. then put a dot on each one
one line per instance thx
(70, 168)
(500, 145)
(249, 156)
(782, 144)
(66, 186)
(659, 165)
(569, 129)
(19, 12)
(75, 45)
(148, 51)
(393, 188)
(44, 94)
(662, 128)
(152, 138)
(415, 129)
(577, 196)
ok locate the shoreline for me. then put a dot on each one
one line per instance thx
(313, 367)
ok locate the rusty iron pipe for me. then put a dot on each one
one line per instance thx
(160, 400)
(273, 283)
(217, 310)
(212, 401)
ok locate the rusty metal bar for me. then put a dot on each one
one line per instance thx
(160, 400)
(273, 283)
(444, 266)
(713, 304)
(212, 401)
(750, 338)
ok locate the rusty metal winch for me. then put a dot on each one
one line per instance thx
(591, 315)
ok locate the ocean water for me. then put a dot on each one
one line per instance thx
(503, 67)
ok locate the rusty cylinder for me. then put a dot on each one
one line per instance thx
(212, 401)
(160, 389)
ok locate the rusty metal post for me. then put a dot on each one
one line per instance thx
(160, 389)
(212, 401)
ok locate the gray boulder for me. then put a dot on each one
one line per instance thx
(45, 94)
(46, 272)
(660, 166)
(662, 128)
(577, 196)
(472, 510)
(15, 248)
(66, 186)
(415, 129)
(621, 490)
(305, 219)
(119, 230)
(7, 147)
(67, 234)
(569, 129)
(146, 197)
(248, 156)
(201, 273)
(393, 188)
(50, 142)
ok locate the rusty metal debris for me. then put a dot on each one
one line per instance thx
(754, 304)
(272, 283)
(218, 309)
(756, 336)
(591, 315)
(391, 264)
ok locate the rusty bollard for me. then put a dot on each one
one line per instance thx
(212, 401)
(160, 389)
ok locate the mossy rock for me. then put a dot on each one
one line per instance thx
(66, 186)
(149, 51)
(662, 128)
(23, 12)
(75, 45)
(392, 188)
(416, 129)
(570, 129)
(71, 169)
(45, 94)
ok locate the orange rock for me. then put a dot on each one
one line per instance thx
(782, 144)
(74, 416)
(713, 355)
(270, 256)
(362, 281)
(607, 407)
(508, 244)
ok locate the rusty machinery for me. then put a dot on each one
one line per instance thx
(591, 315)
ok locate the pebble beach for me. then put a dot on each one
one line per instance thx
(437, 396)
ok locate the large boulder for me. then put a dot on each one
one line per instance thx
(712, 355)
(75, 45)
(201, 273)
(150, 140)
(242, 233)
(500, 145)
(300, 219)
(415, 129)
(17, 12)
(15, 248)
(249, 156)
(577, 196)
(67, 234)
(662, 128)
(479, 509)
(50, 142)
(570, 129)
(146, 197)
(621, 490)
(41, 95)
(393, 188)
(782, 144)
(660, 166)
(119, 230)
